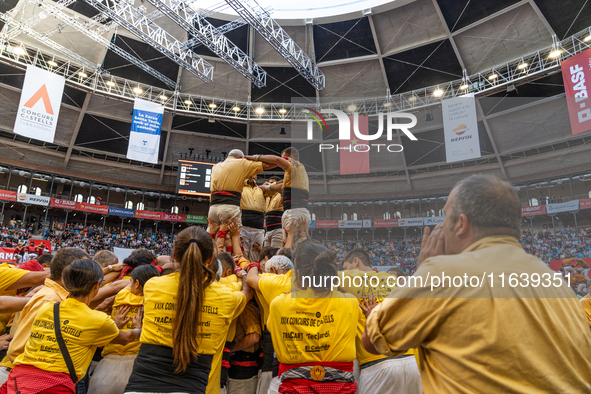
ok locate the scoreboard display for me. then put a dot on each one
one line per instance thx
(194, 178)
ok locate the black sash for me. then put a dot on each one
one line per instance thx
(273, 220)
(225, 197)
(295, 198)
(254, 219)
(153, 371)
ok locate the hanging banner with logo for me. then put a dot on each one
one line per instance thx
(367, 223)
(65, 204)
(122, 212)
(460, 128)
(33, 199)
(585, 203)
(199, 219)
(385, 223)
(576, 74)
(7, 195)
(172, 217)
(410, 222)
(144, 138)
(432, 221)
(327, 224)
(94, 208)
(40, 103)
(147, 215)
(533, 210)
(350, 223)
(568, 206)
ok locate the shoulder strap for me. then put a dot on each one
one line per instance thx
(61, 343)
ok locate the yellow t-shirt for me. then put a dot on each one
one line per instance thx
(234, 284)
(123, 298)
(220, 306)
(8, 276)
(586, 304)
(229, 175)
(317, 328)
(271, 286)
(273, 201)
(252, 198)
(50, 293)
(296, 176)
(83, 330)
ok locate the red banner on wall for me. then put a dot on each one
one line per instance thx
(7, 195)
(535, 210)
(576, 73)
(94, 208)
(7, 255)
(585, 203)
(148, 215)
(172, 217)
(65, 204)
(327, 224)
(385, 223)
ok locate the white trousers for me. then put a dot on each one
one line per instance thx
(393, 376)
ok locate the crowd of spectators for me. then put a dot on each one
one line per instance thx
(567, 243)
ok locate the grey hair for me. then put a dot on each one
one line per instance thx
(491, 205)
(236, 153)
(280, 263)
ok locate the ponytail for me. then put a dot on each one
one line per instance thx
(314, 260)
(193, 247)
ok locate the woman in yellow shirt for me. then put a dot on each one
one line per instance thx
(113, 371)
(313, 328)
(186, 321)
(65, 335)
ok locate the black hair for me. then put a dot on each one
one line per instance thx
(80, 277)
(287, 252)
(45, 258)
(135, 260)
(143, 273)
(361, 254)
(268, 252)
(227, 261)
(315, 261)
(63, 258)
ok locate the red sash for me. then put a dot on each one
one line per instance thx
(305, 386)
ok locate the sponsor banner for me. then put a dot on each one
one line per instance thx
(44, 243)
(350, 223)
(533, 210)
(144, 138)
(172, 217)
(327, 224)
(200, 219)
(148, 215)
(312, 223)
(7, 195)
(122, 212)
(568, 206)
(40, 103)
(33, 199)
(410, 222)
(65, 204)
(460, 128)
(7, 255)
(366, 222)
(385, 223)
(576, 74)
(433, 220)
(94, 208)
(585, 203)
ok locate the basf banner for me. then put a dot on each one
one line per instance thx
(39, 106)
(585, 203)
(460, 127)
(33, 199)
(533, 210)
(576, 73)
(65, 204)
(144, 138)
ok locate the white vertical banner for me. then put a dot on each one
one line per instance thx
(460, 127)
(144, 138)
(40, 103)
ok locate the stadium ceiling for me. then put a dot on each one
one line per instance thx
(210, 76)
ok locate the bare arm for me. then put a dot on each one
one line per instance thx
(12, 304)
(235, 237)
(252, 278)
(367, 345)
(30, 279)
(109, 290)
(246, 342)
(246, 290)
(125, 337)
(275, 161)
